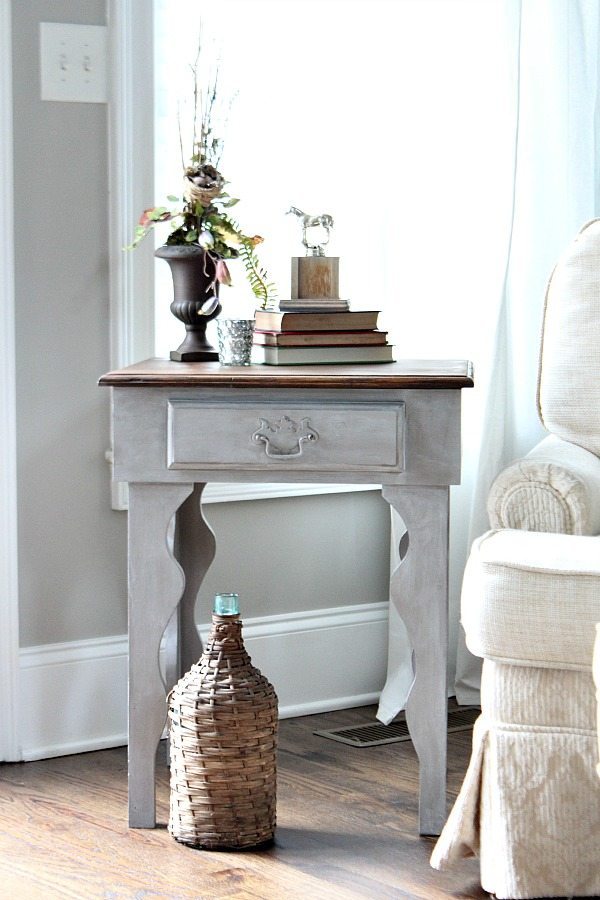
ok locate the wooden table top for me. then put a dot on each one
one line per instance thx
(406, 373)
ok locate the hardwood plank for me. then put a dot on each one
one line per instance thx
(404, 374)
(347, 829)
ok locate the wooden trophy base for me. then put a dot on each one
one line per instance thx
(315, 277)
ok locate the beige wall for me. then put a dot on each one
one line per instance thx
(299, 553)
(286, 554)
(71, 545)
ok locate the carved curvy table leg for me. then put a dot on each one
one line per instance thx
(156, 583)
(419, 590)
(170, 643)
(195, 551)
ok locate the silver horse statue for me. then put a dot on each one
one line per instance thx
(324, 222)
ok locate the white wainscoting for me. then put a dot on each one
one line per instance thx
(74, 695)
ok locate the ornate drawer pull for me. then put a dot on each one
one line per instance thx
(284, 438)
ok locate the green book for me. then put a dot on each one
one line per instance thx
(299, 356)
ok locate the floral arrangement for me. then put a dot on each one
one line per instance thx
(201, 216)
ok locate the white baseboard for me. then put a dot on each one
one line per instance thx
(74, 695)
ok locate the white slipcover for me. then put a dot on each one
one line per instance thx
(530, 802)
(596, 672)
(556, 487)
(532, 599)
(569, 376)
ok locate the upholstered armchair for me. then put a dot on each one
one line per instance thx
(529, 806)
(556, 487)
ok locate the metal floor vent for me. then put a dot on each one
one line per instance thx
(374, 733)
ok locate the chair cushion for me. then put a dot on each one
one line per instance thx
(569, 374)
(532, 599)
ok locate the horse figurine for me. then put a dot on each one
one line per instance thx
(324, 221)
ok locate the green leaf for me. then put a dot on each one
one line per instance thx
(157, 213)
(263, 290)
(231, 202)
(172, 198)
(191, 236)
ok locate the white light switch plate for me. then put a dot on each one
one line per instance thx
(73, 62)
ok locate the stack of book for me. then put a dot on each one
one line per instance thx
(315, 326)
(284, 338)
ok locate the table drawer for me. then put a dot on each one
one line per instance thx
(321, 438)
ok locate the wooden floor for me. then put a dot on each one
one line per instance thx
(346, 829)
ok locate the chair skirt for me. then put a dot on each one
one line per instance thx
(530, 802)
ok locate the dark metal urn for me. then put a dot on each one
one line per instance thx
(195, 299)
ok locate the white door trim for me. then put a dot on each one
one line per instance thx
(131, 187)
(131, 177)
(9, 581)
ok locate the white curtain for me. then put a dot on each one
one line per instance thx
(556, 76)
(453, 142)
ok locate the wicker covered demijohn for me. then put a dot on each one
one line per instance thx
(223, 737)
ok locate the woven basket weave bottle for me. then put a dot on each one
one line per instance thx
(223, 736)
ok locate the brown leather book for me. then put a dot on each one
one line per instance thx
(277, 320)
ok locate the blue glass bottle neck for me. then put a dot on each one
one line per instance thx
(226, 605)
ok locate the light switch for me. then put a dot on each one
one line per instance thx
(73, 62)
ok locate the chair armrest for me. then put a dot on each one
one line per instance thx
(556, 488)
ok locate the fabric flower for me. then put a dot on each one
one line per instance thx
(222, 273)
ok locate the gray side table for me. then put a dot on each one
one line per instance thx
(178, 426)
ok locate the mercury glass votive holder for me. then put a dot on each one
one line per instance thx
(235, 341)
